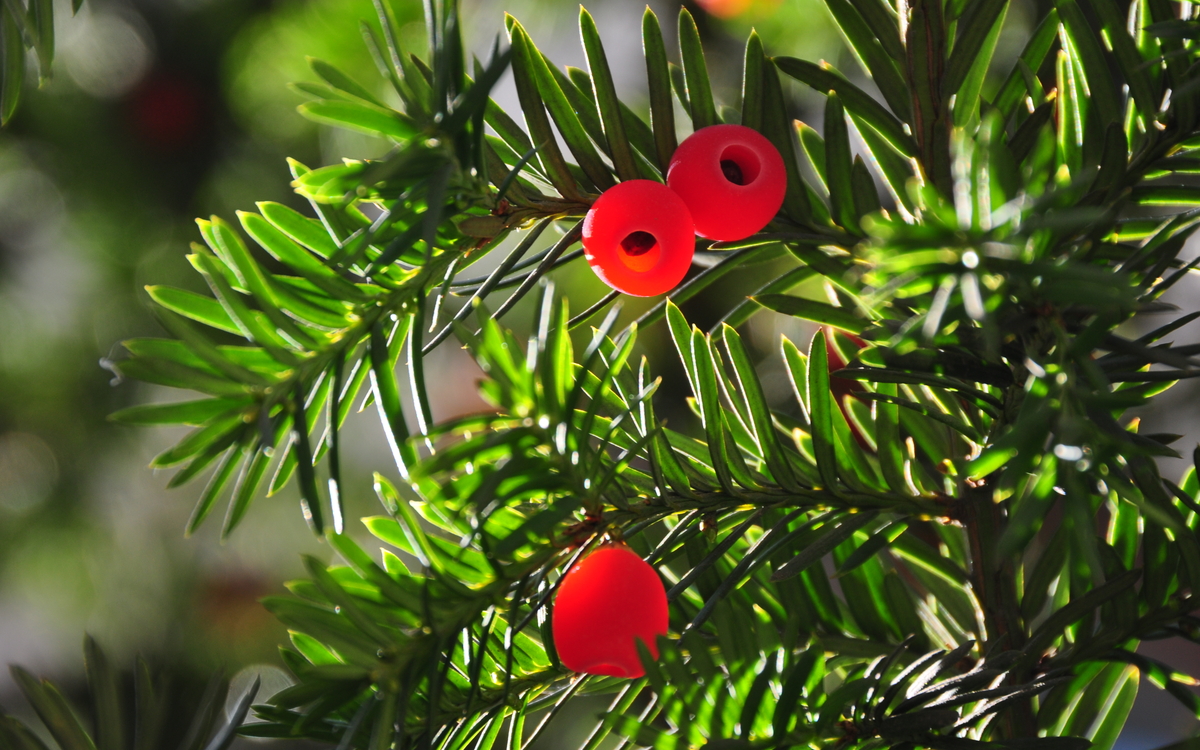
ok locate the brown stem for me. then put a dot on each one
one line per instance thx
(994, 582)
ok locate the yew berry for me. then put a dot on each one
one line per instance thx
(731, 178)
(725, 9)
(639, 239)
(607, 602)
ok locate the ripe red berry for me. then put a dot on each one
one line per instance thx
(724, 8)
(606, 602)
(639, 238)
(731, 178)
(732, 8)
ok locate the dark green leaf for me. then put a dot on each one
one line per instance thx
(752, 83)
(1101, 87)
(695, 70)
(808, 309)
(54, 711)
(346, 606)
(230, 462)
(387, 398)
(370, 570)
(662, 111)
(363, 117)
(641, 137)
(199, 308)
(527, 58)
(876, 542)
(1045, 634)
(253, 325)
(606, 99)
(895, 170)
(777, 129)
(1129, 59)
(283, 249)
(210, 706)
(866, 198)
(199, 439)
(870, 51)
(814, 148)
(978, 27)
(757, 410)
(104, 684)
(199, 344)
(192, 413)
(342, 82)
(823, 545)
(41, 17)
(1036, 49)
(18, 736)
(820, 405)
(12, 63)
(707, 277)
(858, 102)
(168, 373)
(308, 232)
(226, 735)
(836, 704)
(249, 480)
(838, 166)
(679, 86)
(723, 451)
(310, 499)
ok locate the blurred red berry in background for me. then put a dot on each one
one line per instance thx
(732, 8)
(165, 111)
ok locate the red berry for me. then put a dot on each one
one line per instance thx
(638, 236)
(166, 111)
(733, 8)
(731, 178)
(724, 8)
(606, 602)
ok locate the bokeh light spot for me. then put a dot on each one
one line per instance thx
(28, 472)
(105, 54)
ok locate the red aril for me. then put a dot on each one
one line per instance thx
(606, 603)
(638, 238)
(732, 179)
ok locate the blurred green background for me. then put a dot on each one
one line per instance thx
(160, 111)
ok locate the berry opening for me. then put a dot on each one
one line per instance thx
(732, 172)
(640, 250)
(638, 243)
(740, 165)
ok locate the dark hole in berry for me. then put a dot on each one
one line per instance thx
(732, 172)
(638, 243)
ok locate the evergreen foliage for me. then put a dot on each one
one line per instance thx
(157, 724)
(24, 25)
(965, 553)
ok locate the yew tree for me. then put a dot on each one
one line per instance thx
(951, 534)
